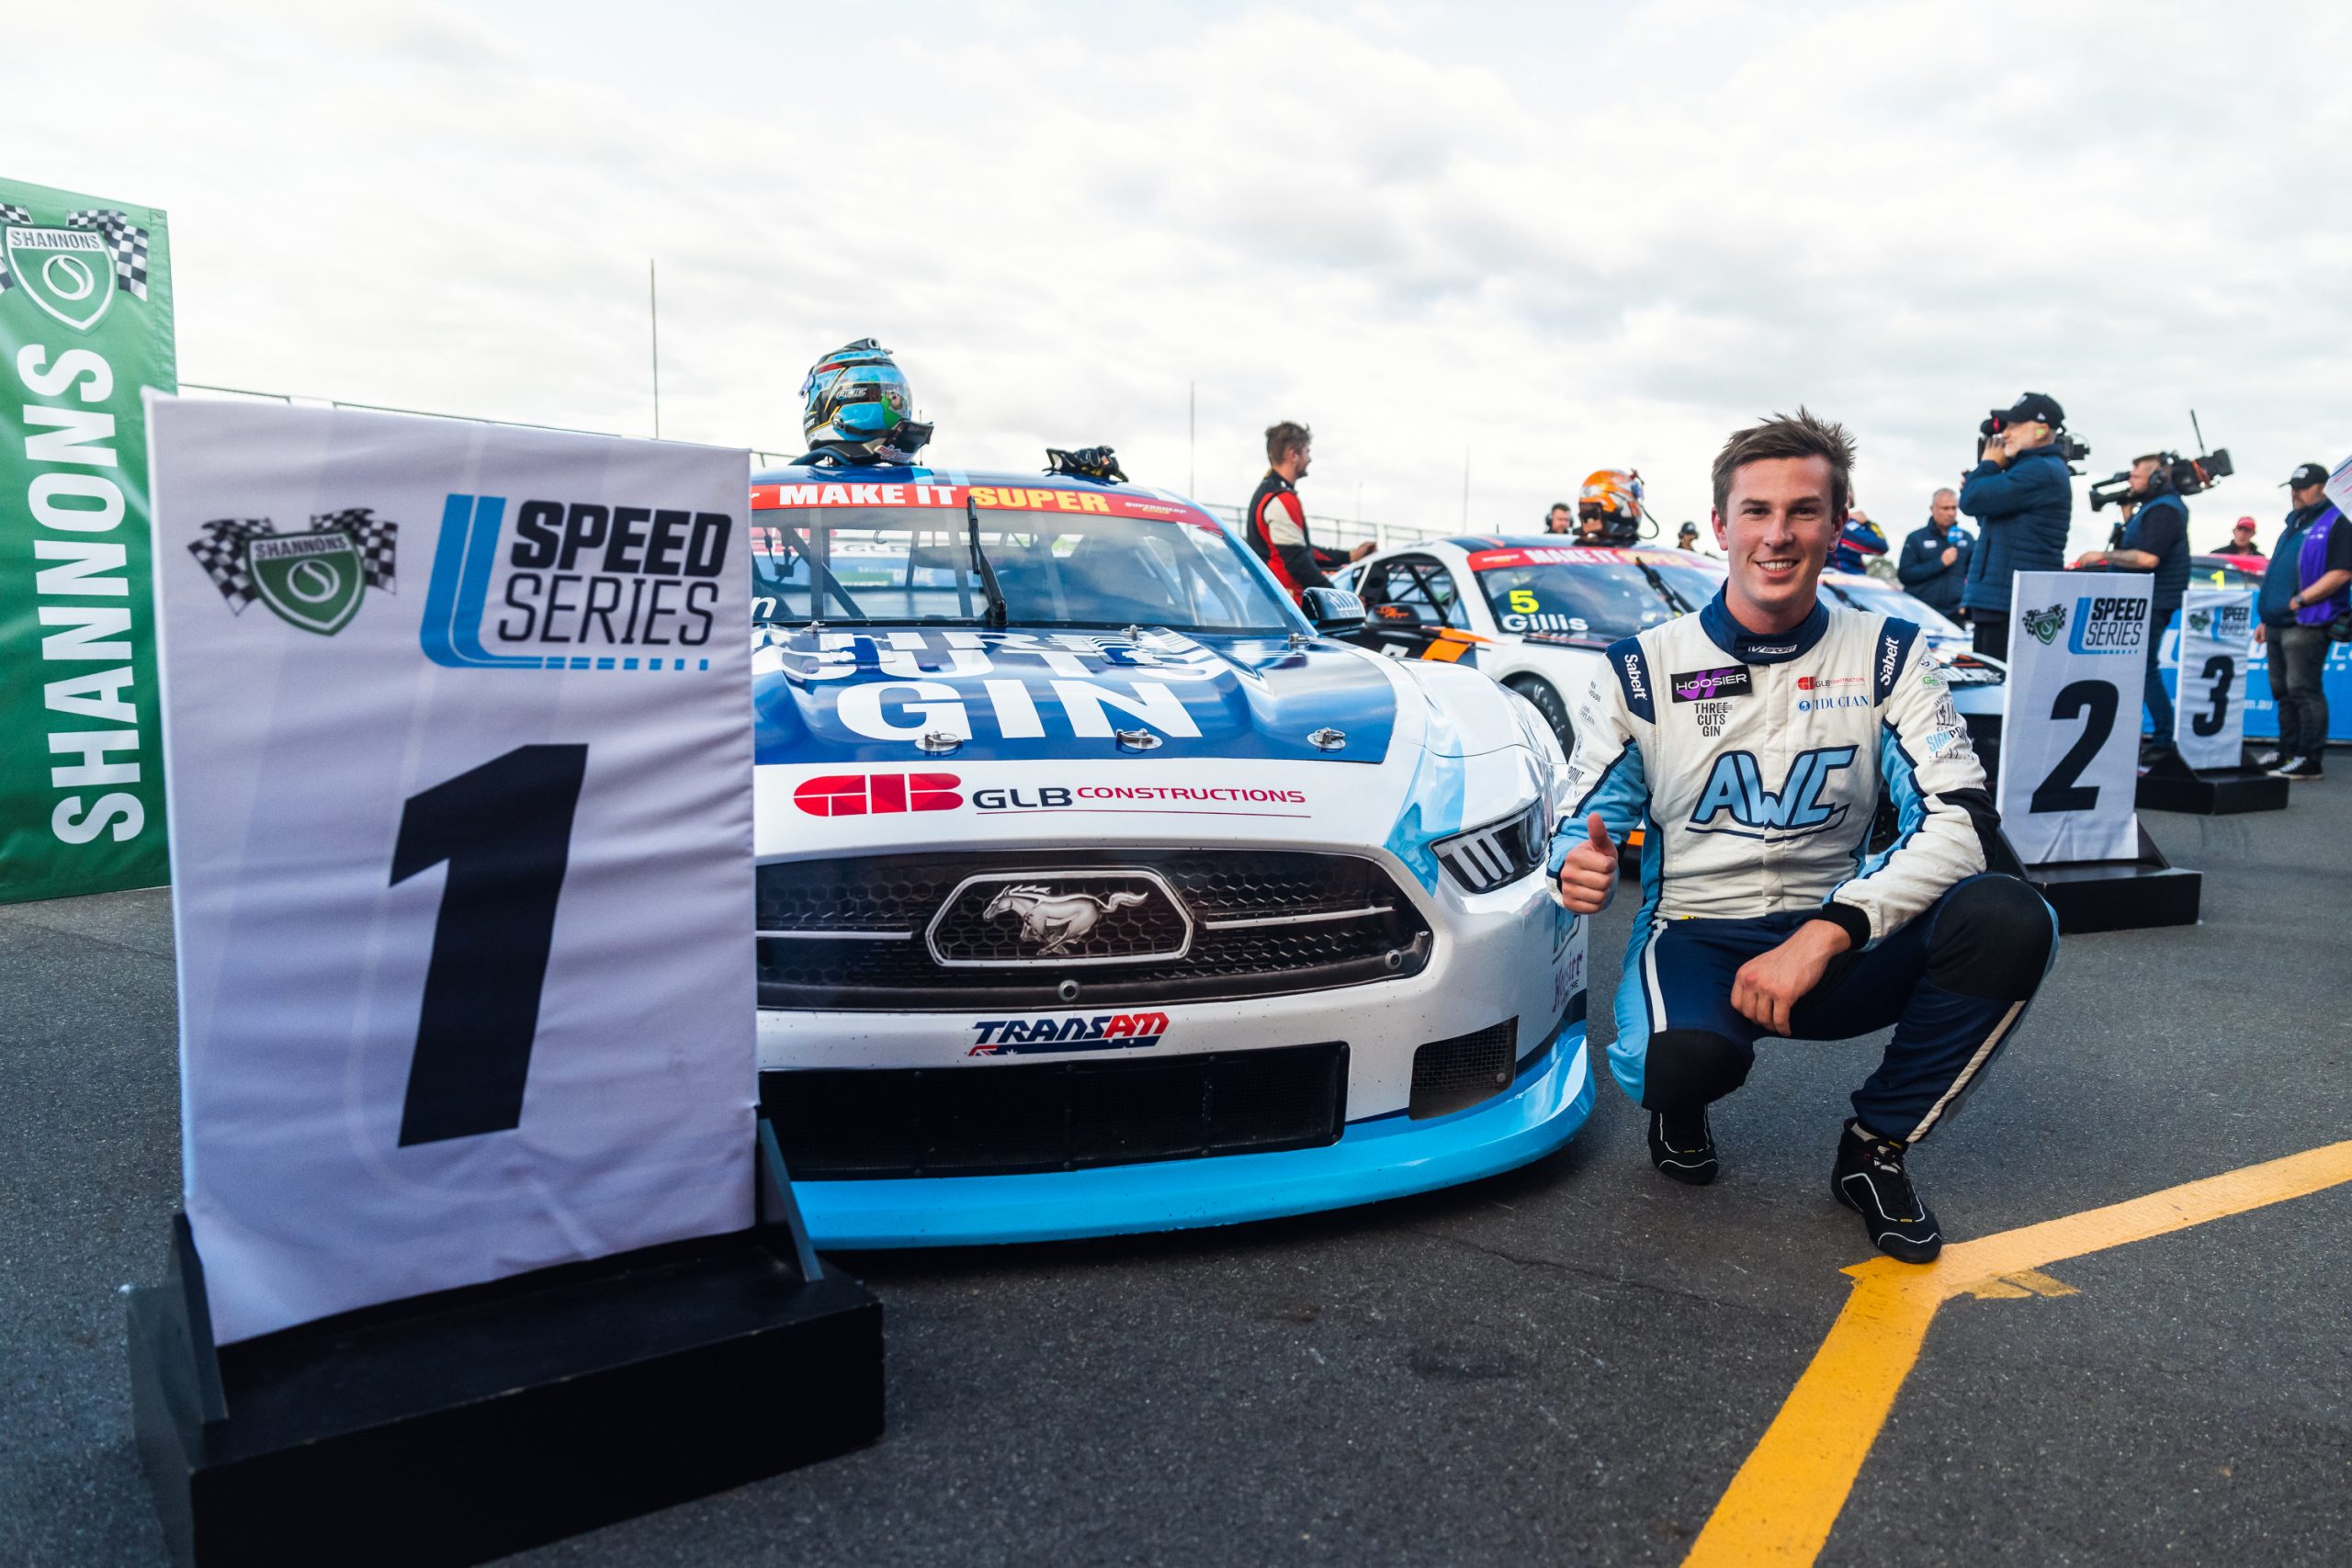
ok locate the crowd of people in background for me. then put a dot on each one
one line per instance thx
(2020, 496)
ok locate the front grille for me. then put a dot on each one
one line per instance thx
(869, 932)
(839, 1124)
(1453, 1075)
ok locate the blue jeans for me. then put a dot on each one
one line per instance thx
(2152, 687)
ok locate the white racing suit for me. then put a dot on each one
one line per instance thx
(1758, 764)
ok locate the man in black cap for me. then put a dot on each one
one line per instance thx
(2155, 540)
(2022, 498)
(2307, 585)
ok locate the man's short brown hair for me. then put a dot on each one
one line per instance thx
(1285, 438)
(1800, 434)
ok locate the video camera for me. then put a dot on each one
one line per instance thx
(2073, 451)
(2182, 475)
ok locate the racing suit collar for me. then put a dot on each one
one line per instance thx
(1717, 621)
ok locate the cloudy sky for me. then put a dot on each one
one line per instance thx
(1554, 237)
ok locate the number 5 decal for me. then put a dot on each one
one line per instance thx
(2059, 792)
(505, 830)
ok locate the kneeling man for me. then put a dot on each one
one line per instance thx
(1757, 738)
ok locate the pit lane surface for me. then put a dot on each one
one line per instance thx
(1566, 1364)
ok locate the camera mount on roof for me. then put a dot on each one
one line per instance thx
(1098, 463)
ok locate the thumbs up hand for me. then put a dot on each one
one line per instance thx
(1588, 876)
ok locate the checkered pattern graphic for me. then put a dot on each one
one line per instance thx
(224, 550)
(221, 553)
(127, 241)
(377, 537)
(10, 214)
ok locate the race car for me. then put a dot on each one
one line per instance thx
(1098, 891)
(1536, 615)
(1532, 613)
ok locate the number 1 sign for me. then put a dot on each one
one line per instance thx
(2070, 731)
(458, 740)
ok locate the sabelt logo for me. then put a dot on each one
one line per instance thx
(1633, 677)
(877, 795)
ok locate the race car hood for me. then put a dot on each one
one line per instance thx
(870, 696)
(1036, 756)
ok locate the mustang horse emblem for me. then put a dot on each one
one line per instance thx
(1056, 920)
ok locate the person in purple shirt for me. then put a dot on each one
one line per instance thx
(2307, 585)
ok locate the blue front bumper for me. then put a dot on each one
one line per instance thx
(1386, 1157)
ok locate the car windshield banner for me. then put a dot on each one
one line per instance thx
(86, 323)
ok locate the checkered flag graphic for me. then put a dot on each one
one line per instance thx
(376, 537)
(127, 241)
(10, 214)
(221, 553)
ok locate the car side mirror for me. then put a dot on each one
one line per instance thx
(1332, 611)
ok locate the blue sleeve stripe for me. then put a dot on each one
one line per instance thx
(1633, 677)
(1895, 640)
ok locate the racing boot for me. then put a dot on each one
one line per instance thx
(1683, 1146)
(1869, 1178)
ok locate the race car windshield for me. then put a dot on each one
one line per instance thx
(1592, 601)
(890, 566)
(1881, 599)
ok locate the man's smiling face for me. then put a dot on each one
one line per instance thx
(1777, 529)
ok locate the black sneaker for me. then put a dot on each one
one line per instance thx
(1869, 1179)
(2300, 767)
(1682, 1146)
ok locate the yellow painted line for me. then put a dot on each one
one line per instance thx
(1779, 1507)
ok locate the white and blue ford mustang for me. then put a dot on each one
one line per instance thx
(1099, 892)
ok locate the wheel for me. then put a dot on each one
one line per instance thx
(1540, 691)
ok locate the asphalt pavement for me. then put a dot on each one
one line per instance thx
(1566, 1364)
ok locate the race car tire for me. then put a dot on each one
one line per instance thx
(1540, 691)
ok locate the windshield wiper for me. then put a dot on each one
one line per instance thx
(987, 574)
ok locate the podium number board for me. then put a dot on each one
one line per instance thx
(2209, 707)
(458, 730)
(2069, 723)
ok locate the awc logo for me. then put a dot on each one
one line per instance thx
(1737, 785)
(877, 795)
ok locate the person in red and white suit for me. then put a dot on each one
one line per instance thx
(1275, 524)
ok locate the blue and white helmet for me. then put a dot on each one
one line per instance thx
(856, 397)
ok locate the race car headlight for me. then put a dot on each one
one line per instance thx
(1496, 854)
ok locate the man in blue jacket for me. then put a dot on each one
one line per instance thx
(2021, 494)
(1935, 558)
(2155, 540)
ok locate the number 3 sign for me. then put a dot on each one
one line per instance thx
(2070, 732)
(458, 748)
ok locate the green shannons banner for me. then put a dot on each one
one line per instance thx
(86, 323)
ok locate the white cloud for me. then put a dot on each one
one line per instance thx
(1564, 239)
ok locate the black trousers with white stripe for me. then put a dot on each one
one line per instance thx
(1955, 983)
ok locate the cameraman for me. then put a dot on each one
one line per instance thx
(2021, 494)
(2155, 540)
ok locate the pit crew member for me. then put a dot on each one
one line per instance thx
(1276, 522)
(1755, 738)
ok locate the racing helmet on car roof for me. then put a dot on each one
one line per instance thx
(856, 407)
(1609, 508)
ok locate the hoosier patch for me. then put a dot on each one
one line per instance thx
(1702, 685)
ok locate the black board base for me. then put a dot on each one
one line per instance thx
(466, 1424)
(2120, 894)
(2213, 792)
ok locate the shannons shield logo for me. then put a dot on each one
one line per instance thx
(2199, 620)
(73, 272)
(1737, 786)
(314, 580)
(2044, 623)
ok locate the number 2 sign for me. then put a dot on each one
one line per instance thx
(459, 749)
(2070, 731)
